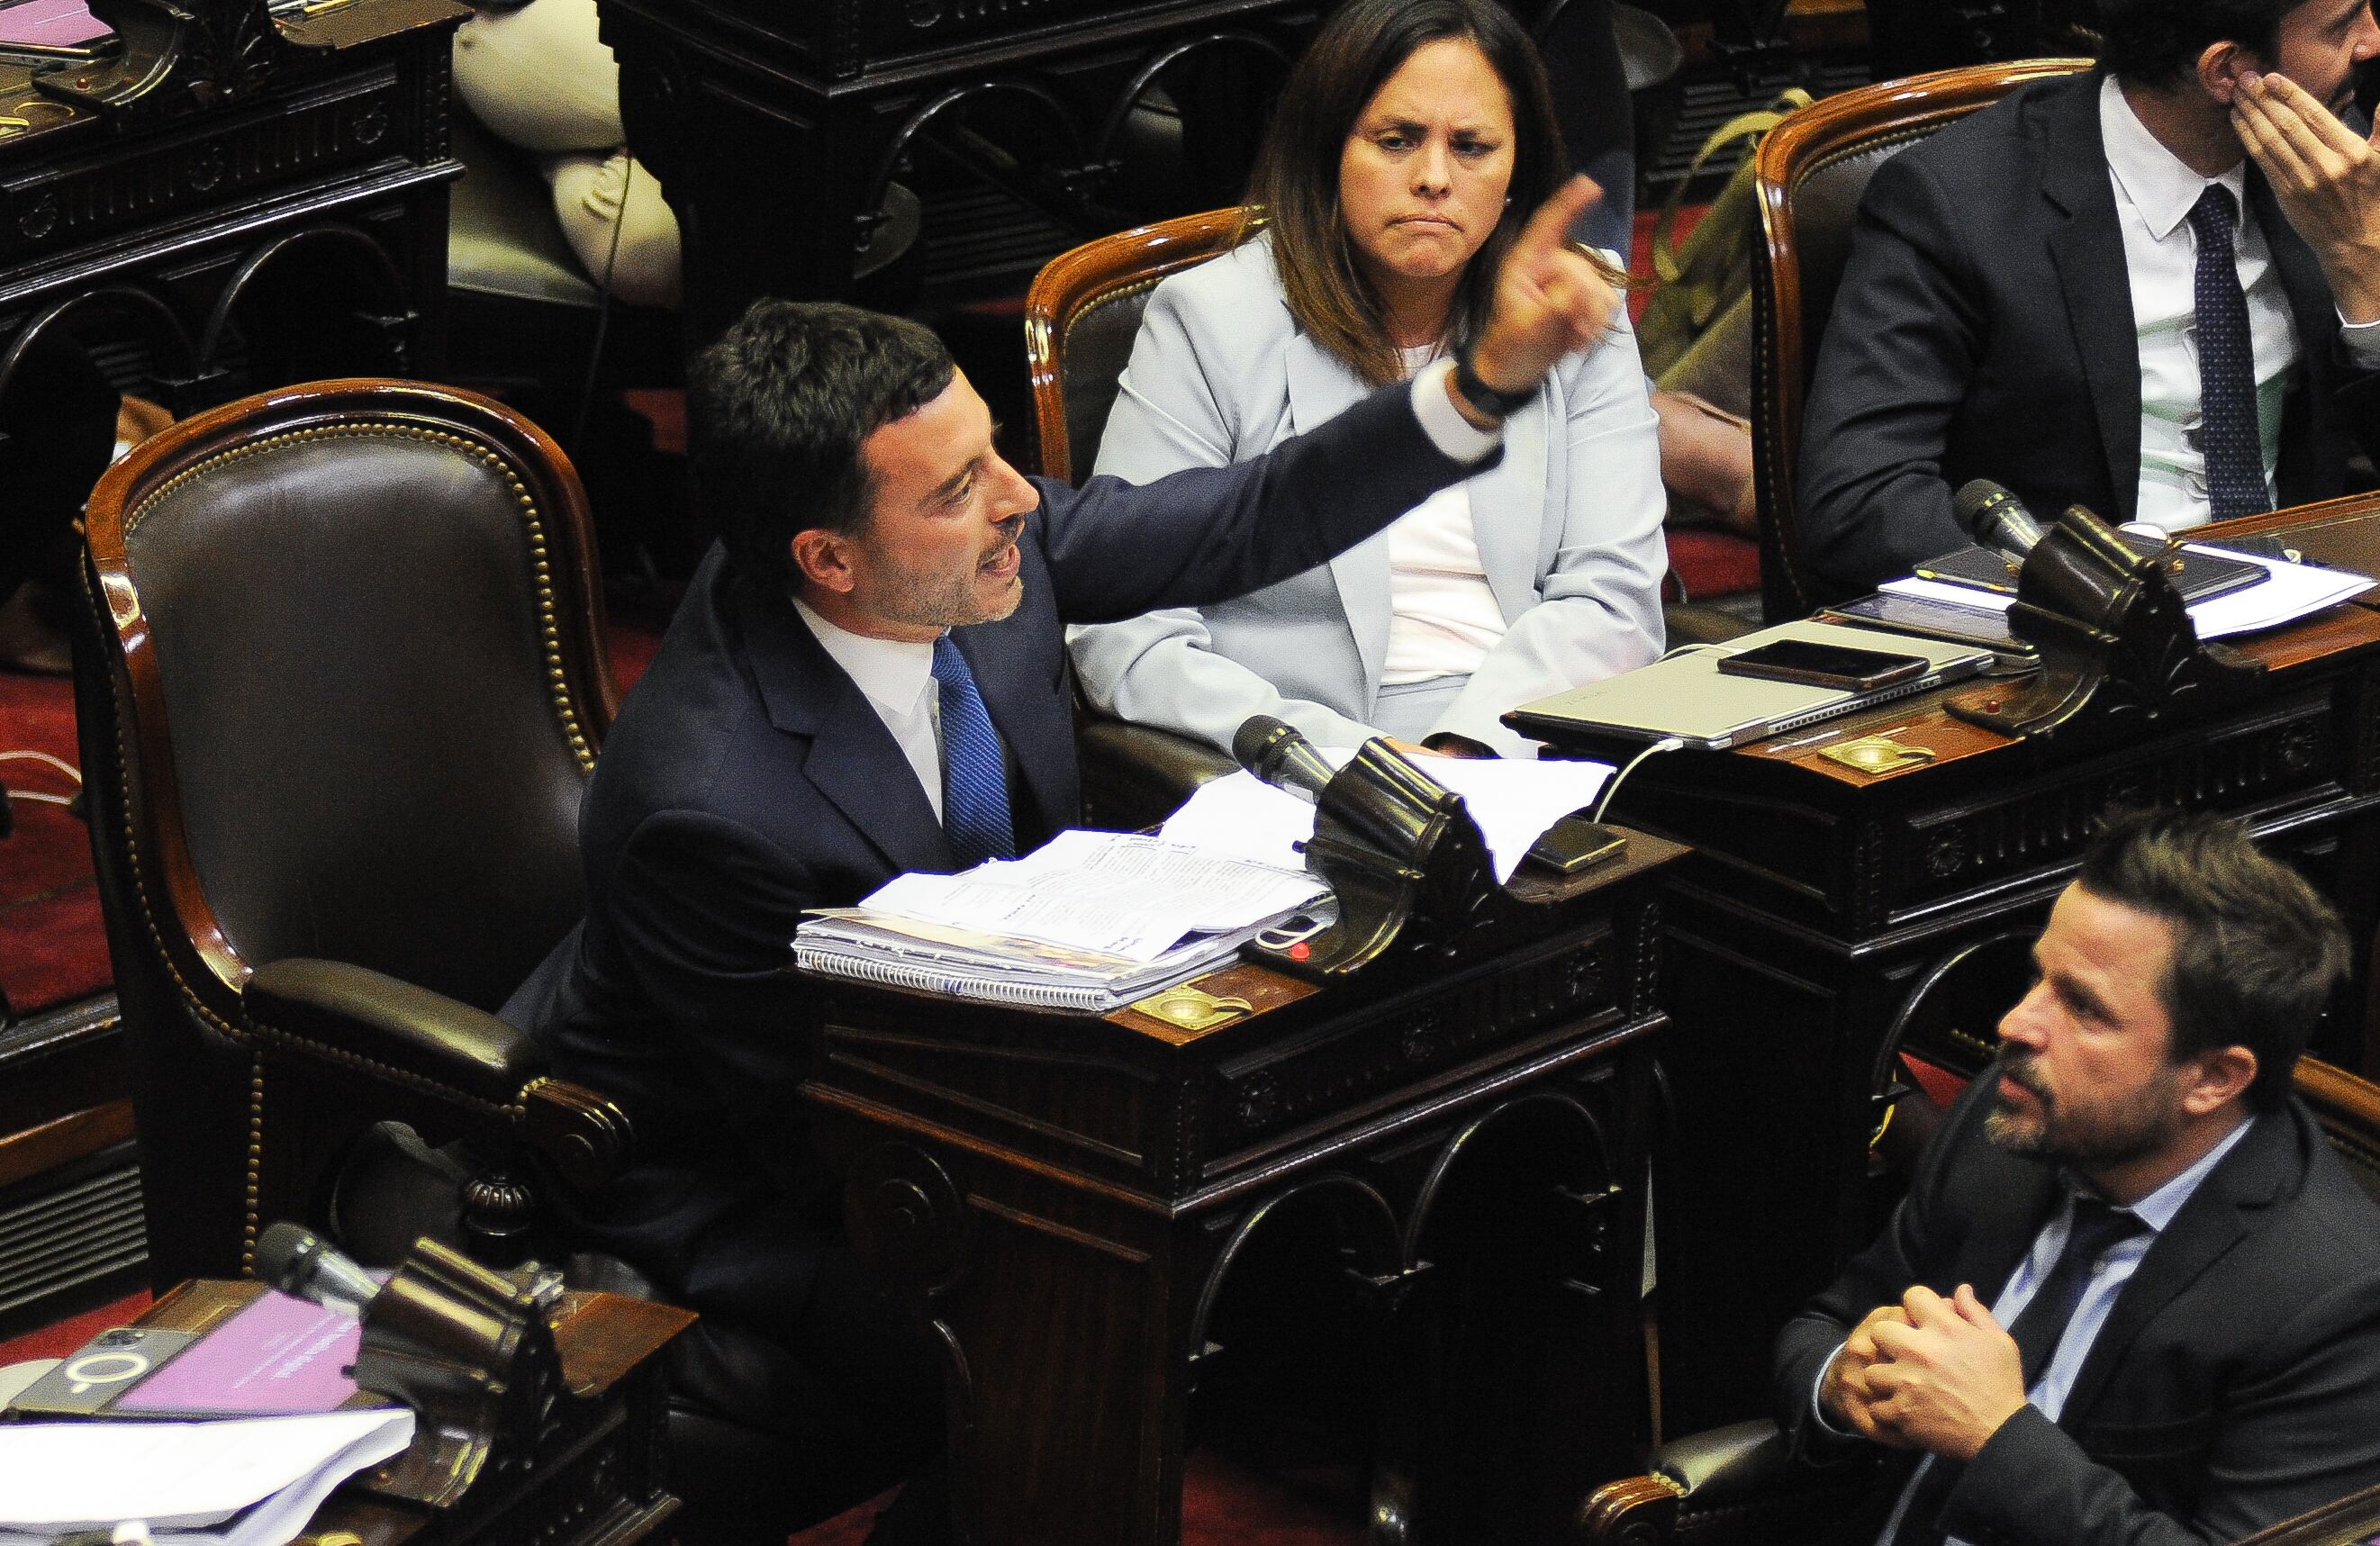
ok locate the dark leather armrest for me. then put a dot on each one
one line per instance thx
(375, 1023)
(1136, 775)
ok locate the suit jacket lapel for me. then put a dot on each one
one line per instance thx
(853, 759)
(1510, 551)
(2088, 249)
(2315, 316)
(2210, 1223)
(1319, 390)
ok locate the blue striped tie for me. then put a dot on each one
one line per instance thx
(975, 776)
(2231, 435)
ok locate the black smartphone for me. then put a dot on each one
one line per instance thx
(1823, 666)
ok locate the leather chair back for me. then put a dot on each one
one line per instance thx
(1813, 169)
(343, 688)
(1081, 318)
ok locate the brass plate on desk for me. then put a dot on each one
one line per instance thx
(1878, 755)
(1191, 1008)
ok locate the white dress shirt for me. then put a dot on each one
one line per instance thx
(897, 676)
(2154, 193)
(2107, 1279)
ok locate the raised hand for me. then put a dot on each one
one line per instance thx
(1549, 300)
(2328, 180)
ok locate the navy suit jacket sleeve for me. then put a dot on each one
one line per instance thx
(1899, 352)
(1116, 549)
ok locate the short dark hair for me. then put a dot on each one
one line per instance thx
(2156, 43)
(778, 409)
(2256, 951)
(1293, 190)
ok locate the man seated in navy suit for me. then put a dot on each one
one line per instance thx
(870, 676)
(2131, 1295)
(2153, 289)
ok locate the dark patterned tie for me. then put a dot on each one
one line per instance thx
(2039, 1327)
(975, 776)
(2230, 434)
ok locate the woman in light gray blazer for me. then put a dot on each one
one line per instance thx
(1409, 143)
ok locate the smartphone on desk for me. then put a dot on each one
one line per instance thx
(1823, 666)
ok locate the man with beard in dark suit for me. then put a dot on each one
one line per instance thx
(2131, 1296)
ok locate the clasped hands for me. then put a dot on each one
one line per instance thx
(1930, 1373)
(1549, 300)
(2327, 178)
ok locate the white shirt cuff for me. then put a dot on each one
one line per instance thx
(2363, 341)
(1818, 1407)
(1454, 435)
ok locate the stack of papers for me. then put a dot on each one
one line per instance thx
(1090, 921)
(2290, 592)
(251, 1482)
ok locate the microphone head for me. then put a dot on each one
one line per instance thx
(1255, 740)
(1994, 517)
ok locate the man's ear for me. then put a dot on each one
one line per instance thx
(2221, 1075)
(2220, 67)
(823, 559)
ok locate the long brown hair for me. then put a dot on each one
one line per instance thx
(1293, 192)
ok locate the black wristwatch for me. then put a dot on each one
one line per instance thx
(1483, 397)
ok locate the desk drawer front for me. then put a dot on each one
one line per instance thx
(359, 122)
(2297, 751)
(1356, 1062)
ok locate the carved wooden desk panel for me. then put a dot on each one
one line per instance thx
(1434, 1167)
(239, 203)
(598, 1480)
(1830, 914)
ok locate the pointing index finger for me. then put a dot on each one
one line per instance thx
(1548, 229)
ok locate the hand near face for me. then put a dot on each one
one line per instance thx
(1549, 300)
(1945, 1380)
(1845, 1393)
(2328, 180)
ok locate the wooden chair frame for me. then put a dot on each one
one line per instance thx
(1785, 337)
(1076, 284)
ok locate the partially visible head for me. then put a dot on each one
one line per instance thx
(2170, 44)
(2181, 976)
(1332, 174)
(848, 461)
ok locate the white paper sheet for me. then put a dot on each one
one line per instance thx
(1512, 801)
(182, 1478)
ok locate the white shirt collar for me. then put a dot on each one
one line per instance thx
(2154, 178)
(2157, 1209)
(895, 674)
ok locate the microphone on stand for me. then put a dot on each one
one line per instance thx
(299, 1262)
(1279, 753)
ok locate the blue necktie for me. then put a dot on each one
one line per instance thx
(975, 776)
(2230, 434)
(2039, 1327)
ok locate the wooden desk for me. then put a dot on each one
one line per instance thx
(1413, 1201)
(598, 1482)
(1829, 915)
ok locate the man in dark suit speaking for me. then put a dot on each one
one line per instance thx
(2153, 289)
(2131, 1295)
(871, 678)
